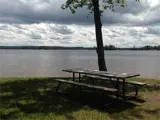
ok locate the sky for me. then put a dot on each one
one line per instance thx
(44, 23)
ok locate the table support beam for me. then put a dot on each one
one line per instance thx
(73, 76)
(118, 88)
(79, 77)
(123, 87)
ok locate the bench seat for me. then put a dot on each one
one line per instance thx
(136, 84)
(128, 82)
(86, 85)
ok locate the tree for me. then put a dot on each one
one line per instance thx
(96, 7)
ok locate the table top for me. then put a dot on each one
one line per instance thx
(101, 73)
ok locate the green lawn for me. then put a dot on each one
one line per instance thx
(36, 99)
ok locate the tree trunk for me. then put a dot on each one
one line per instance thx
(99, 40)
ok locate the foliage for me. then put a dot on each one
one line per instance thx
(104, 4)
(147, 47)
(97, 7)
(106, 47)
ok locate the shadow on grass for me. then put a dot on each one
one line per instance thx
(155, 111)
(31, 96)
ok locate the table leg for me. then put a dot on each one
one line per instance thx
(73, 76)
(123, 89)
(118, 88)
(112, 82)
(79, 77)
(80, 81)
(58, 86)
(73, 79)
(136, 91)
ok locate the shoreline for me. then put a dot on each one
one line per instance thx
(106, 47)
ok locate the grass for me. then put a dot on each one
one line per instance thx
(36, 99)
(147, 80)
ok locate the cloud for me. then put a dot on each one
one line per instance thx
(43, 22)
(76, 35)
(37, 11)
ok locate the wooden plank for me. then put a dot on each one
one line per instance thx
(101, 78)
(128, 82)
(86, 85)
(137, 83)
(101, 73)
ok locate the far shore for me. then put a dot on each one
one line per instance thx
(106, 47)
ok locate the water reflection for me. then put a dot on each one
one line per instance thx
(50, 62)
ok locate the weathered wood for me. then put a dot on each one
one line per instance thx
(86, 85)
(137, 83)
(114, 77)
(120, 81)
(101, 73)
(98, 77)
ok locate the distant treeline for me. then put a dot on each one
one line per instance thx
(106, 47)
(147, 47)
(42, 47)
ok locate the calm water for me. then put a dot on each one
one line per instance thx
(15, 63)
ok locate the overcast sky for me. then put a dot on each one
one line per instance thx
(43, 22)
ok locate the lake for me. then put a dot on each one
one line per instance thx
(49, 63)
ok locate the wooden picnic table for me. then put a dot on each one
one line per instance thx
(104, 74)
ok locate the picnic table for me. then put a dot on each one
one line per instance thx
(118, 78)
